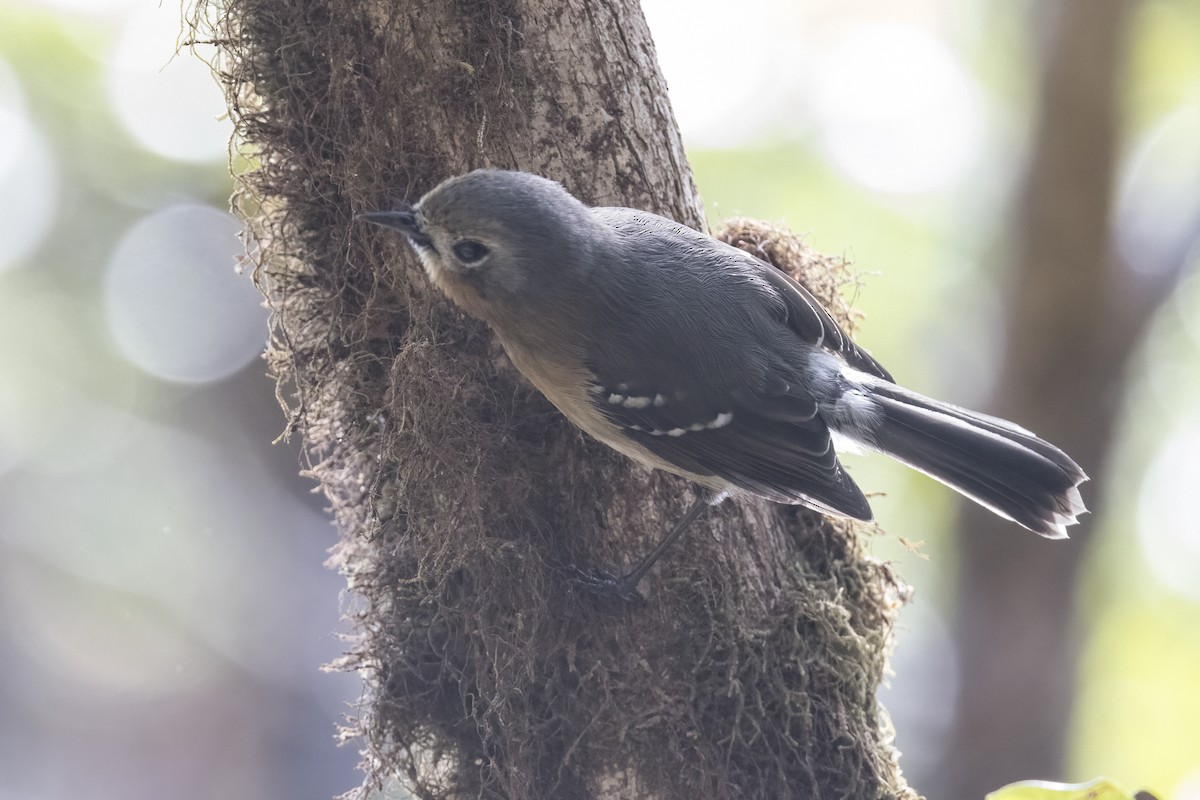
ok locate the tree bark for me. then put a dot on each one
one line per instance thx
(1073, 321)
(461, 496)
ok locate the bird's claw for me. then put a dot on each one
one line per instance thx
(605, 585)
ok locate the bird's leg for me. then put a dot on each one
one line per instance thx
(625, 587)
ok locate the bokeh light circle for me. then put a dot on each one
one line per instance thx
(28, 176)
(1159, 200)
(174, 302)
(93, 8)
(1168, 511)
(170, 103)
(896, 110)
(722, 87)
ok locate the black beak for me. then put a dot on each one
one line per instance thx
(403, 219)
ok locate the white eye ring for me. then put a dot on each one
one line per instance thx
(470, 252)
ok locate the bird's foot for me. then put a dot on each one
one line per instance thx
(605, 585)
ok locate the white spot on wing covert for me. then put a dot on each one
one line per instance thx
(719, 421)
(629, 401)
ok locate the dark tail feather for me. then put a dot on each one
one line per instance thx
(995, 463)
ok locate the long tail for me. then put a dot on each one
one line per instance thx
(997, 464)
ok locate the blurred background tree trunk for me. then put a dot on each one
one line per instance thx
(1074, 316)
(461, 495)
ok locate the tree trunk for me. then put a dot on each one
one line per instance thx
(461, 495)
(1073, 322)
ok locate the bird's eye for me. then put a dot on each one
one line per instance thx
(470, 252)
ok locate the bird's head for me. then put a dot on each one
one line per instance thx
(495, 242)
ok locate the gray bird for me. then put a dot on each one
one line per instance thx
(692, 356)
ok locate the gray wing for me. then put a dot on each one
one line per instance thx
(808, 318)
(768, 440)
(705, 370)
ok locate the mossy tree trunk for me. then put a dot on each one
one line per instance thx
(460, 494)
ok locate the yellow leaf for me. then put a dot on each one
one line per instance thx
(1099, 789)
